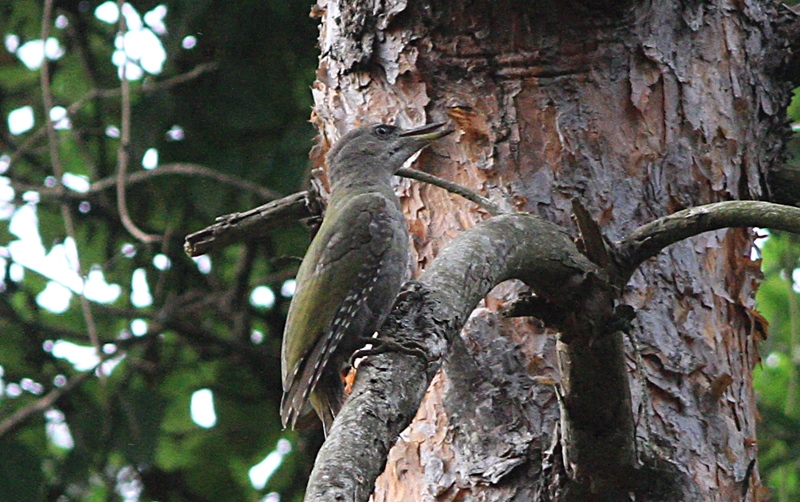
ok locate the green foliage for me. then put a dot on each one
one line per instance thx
(21, 476)
(245, 116)
(776, 379)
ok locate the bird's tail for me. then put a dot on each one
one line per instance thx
(313, 384)
(327, 402)
(326, 399)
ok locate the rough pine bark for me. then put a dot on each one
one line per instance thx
(637, 109)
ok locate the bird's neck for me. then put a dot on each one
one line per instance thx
(347, 183)
(342, 192)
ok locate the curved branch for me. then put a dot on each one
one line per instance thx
(188, 169)
(123, 153)
(174, 168)
(429, 313)
(647, 240)
(489, 206)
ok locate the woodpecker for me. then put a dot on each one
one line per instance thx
(353, 269)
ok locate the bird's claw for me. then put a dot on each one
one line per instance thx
(384, 345)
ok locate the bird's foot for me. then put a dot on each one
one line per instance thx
(384, 345)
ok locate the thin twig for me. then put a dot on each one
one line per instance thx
(163, 84)
(124, 143)
(189, 169)
(113, 93)
(9, 313)
(489, 206)
(16, 419)
(52, 138)
(177, 168)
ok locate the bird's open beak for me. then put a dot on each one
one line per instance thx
(428, 131)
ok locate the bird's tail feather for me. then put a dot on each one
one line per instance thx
(304, 385)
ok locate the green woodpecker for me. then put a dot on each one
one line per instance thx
(353, 270)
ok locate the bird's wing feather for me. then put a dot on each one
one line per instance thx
(332, 285)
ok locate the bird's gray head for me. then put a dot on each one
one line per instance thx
(378, 151)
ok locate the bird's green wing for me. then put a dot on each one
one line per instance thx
(332, 285)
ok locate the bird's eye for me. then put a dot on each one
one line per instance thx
(384, 130)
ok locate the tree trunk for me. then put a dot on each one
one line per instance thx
(637, 109)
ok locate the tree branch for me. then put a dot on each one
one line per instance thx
(489, 206)
(19, 417)
(599, 427)
(162, 85)
(58, 171)
(171, 169)
(647, 240)
(249, 224)
(123, 152)
(113, 93)
(255, 222)
(430, 313)
(188, 169)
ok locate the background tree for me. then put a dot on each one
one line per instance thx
(226, 112)
(637, 109)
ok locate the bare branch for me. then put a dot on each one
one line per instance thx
(47, 98)
(113, 93)
(19, 417)
(172, 169)
(647, 240)
(124, 144)
(249, 224)
(55, 332)
(188, 169)
(489, 206)
(161, 85)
